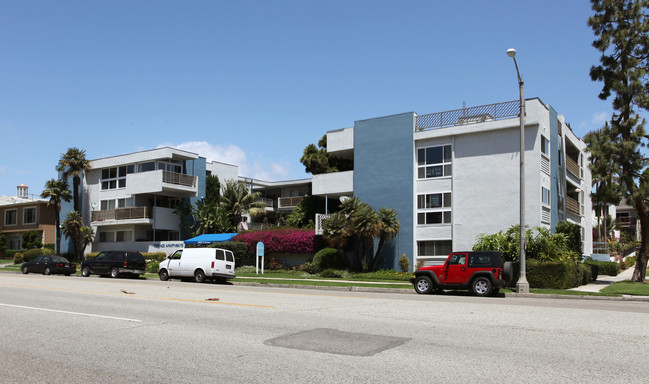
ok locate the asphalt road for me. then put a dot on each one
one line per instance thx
(59, 329)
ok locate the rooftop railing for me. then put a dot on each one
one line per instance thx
(471, 115)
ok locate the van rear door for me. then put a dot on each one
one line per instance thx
(229, 263)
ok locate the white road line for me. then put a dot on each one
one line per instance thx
(70, 313)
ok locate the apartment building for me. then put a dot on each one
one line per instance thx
(22, 213)
(454, 175)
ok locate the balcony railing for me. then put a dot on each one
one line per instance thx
(123, 214)
(573, 206)
(472, 115)
(626, 222)
(178, 179)
(573, 167)
(289, 202)
(270, 203)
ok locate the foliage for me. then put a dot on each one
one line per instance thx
(71, 228)
(359, 223)
(327, 258)
(331, 273)
(307, 267)
(209, 217)
(302, 216)
(245, 269)
(152, 267)
(212, 189)
(31, 254)
(572, 232)
(317, 160)
(618, 163)
(605, 267)
(629, 262)
(49, 246)
(183, 211)
(404, 263)
(73, 163)
(544, 245)
(31, 239)
(282, 240)
(3, 245)
(153, 257)
(557, 274)
(237, 200)
(57, 192)
(273, 264)
(383, 274)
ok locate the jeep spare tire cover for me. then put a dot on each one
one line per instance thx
(508, 271)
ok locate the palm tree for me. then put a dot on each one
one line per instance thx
(388, 229)
(210, 218)
(73, 164)
(237, 199)
(57, 191)
(72, 229)
(365, 224)
(334, 230)
(86, 236)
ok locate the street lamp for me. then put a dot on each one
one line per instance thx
(522, 286)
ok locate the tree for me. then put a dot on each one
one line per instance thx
(318, 160)
(31, 240)
(57, 191)
(237, 200)
(621, 28)
(86, 236)
(3, 244)
(388, 229)
(71, 228)
(73, 164)
(212, 189)
(572, 232)
(210, 218)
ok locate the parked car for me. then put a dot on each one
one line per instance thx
(199, 263)
(114, 264)
(484, 273)
(49, 264)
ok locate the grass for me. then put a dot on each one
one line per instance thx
(627, 288)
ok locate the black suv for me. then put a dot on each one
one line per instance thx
(114, 263)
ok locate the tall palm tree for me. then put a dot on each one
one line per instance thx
(73, 164)
(365, 225)
(210, 218)
(388, 229)
(237, 199)
(335, 230)
(57, 191)
(86, 236)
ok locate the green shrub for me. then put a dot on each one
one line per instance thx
(331, 273)
(308, 268)
(31, 254)
(9, 253)
(609, 268)
(154, 257)
(275, 265)
(327, 258)
(384, 274)
(152, 266)
(629, 261)
(245, 269)
(18, 258)
(552, 274)
(585, 273)
(49, 246)
(404, 263)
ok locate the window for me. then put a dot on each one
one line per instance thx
(545, 146)
(11, 217)
(124, 236)
(434, 208)
(171, 167)
(174, 235)
(545, 196)
(434, 248)
(106, 237)
(29, 215)
(434, 162)
(113, 204)
(220, 254)
(113, 178)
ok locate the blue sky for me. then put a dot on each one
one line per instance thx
(253, 82)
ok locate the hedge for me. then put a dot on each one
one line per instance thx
(327, 258)
(556, 274)
(30, 255)
(609, 268)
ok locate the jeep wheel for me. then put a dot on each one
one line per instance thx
(114, 272)
(423, 285)
(199, 276)
(508, 271)
(163, 274)
(482, 286)
(85, 272)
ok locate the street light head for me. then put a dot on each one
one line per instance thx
(511, 52)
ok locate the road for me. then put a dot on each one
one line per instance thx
(60, 329)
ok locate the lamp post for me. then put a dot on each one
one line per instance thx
(522, 286)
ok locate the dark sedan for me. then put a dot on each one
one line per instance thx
(49, 264)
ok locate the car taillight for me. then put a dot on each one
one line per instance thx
(125, 264)
(59, 265)
(212, 265)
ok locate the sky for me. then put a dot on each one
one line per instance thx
(252, 83)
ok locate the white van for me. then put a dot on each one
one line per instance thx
(199, 263)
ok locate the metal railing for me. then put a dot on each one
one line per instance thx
(289, 202)
(471, 115)
(626, 222)
(123, 214)
(600, 247)
(270, 203)
(178, 179)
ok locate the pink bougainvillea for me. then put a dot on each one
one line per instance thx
(289, 240)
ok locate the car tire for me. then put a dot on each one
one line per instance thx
(47, 271)
(423, 285)
(24, 270)
(199, 276)
(482, 286)
(508, 271)
(114, 272)
(85, 272)
(163, 274)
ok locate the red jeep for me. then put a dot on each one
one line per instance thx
(482, 272)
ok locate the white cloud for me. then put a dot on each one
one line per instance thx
(600, 118)
(232, 154)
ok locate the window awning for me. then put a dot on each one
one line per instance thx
(210, 238)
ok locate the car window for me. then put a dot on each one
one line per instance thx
(39, 259)
(47, 259)
(457, 259)
(59, 259)
(229, 256)
(118, 257)
(177, 255)
(220, 254)
(481, 259)
(102, 256)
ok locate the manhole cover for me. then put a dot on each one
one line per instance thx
(337, 342)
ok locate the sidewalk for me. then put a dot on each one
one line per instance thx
(604, 281)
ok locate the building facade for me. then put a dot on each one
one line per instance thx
(454, 175)
(22, 214)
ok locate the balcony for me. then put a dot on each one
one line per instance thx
(270, 203)
(161, 181)
(132, 213)
(465, 116)
(626, 222)
(573, 206)
(333, 184)
(573, 168)
(289, 202)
